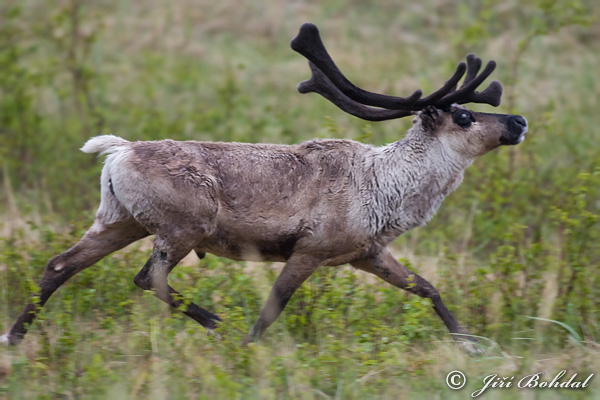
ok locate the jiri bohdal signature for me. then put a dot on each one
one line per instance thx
(532, 381)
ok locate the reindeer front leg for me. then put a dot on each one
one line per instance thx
(297, 269)
(386, 267)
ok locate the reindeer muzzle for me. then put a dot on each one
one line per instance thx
(516, 127)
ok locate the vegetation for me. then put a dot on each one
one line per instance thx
(514, 251)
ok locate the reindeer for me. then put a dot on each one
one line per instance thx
(318, 203)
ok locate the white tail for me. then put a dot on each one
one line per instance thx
(103, 144)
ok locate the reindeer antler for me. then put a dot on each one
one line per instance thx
(328, 81)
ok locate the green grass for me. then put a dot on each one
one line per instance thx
(514, 251)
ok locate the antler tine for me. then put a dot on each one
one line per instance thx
(490, 95)
(467, 93)
(473, 66)
(449, 87)
(309, 44)
(319, 83)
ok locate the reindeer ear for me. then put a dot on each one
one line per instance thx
(431, 118)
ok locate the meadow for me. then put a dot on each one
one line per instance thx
(514, 251)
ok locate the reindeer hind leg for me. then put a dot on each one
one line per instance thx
(99, 241)
(168, 250)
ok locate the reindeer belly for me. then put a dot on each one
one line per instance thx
(278, 240)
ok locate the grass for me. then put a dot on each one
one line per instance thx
(514, 251)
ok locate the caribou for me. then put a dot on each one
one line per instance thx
(314, 204)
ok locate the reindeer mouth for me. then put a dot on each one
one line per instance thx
(522, 137)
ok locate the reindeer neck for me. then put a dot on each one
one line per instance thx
(411, 178)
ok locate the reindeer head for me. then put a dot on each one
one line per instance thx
(467, 132)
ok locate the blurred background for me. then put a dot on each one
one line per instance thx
(514, 251)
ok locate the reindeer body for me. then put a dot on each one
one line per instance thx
(321, 202)
(338, 198)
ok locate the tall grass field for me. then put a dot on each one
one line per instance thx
(514, 251)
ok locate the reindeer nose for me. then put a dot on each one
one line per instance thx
(519, 121)
(516, 129)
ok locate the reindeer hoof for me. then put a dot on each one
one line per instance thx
(247, 341)
(211, 332)
(10, 340)
(4, 339)
(471, 348)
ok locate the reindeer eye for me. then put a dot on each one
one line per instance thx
(463, 119)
